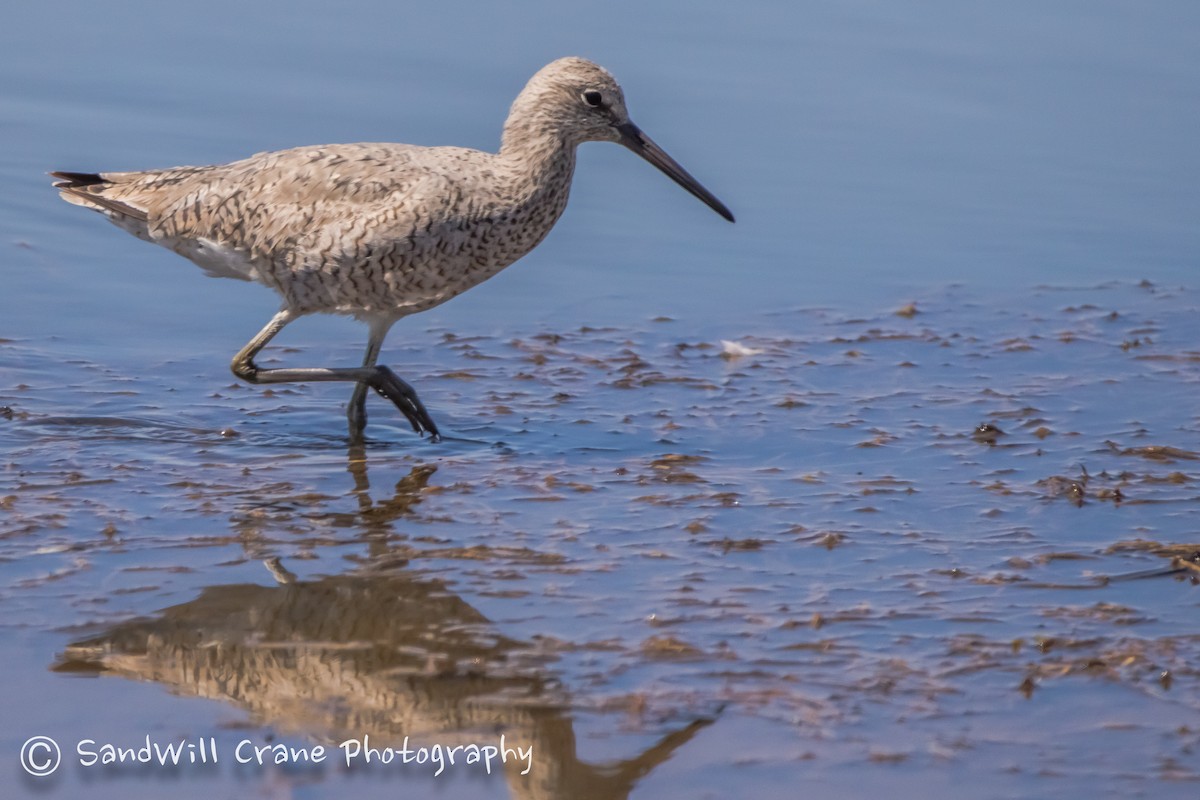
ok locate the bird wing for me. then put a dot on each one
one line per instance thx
(289, 207)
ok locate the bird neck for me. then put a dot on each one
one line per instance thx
(537, 154)
(534, 136)
(534, 132)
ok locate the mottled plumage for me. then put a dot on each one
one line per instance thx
(379, 231)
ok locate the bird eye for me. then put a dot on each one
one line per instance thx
(593, 98)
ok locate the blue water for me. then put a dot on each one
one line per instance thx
(798, 563)
(869, 149)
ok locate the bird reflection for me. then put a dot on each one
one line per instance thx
(387, 652)
(268, 508)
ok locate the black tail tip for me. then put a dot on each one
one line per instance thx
(74, 179)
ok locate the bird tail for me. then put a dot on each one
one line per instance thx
(73, 180)
(87, 189)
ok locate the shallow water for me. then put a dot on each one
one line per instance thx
(892, 485)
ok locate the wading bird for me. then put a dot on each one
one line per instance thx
(378, 231)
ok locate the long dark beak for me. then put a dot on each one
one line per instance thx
(633, 138)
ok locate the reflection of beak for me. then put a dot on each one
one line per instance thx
(633, 138)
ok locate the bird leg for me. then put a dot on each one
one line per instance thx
(356, 410)
(379, 378)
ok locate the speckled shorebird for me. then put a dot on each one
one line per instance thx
(379, 231)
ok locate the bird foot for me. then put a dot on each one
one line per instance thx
(391, 386)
